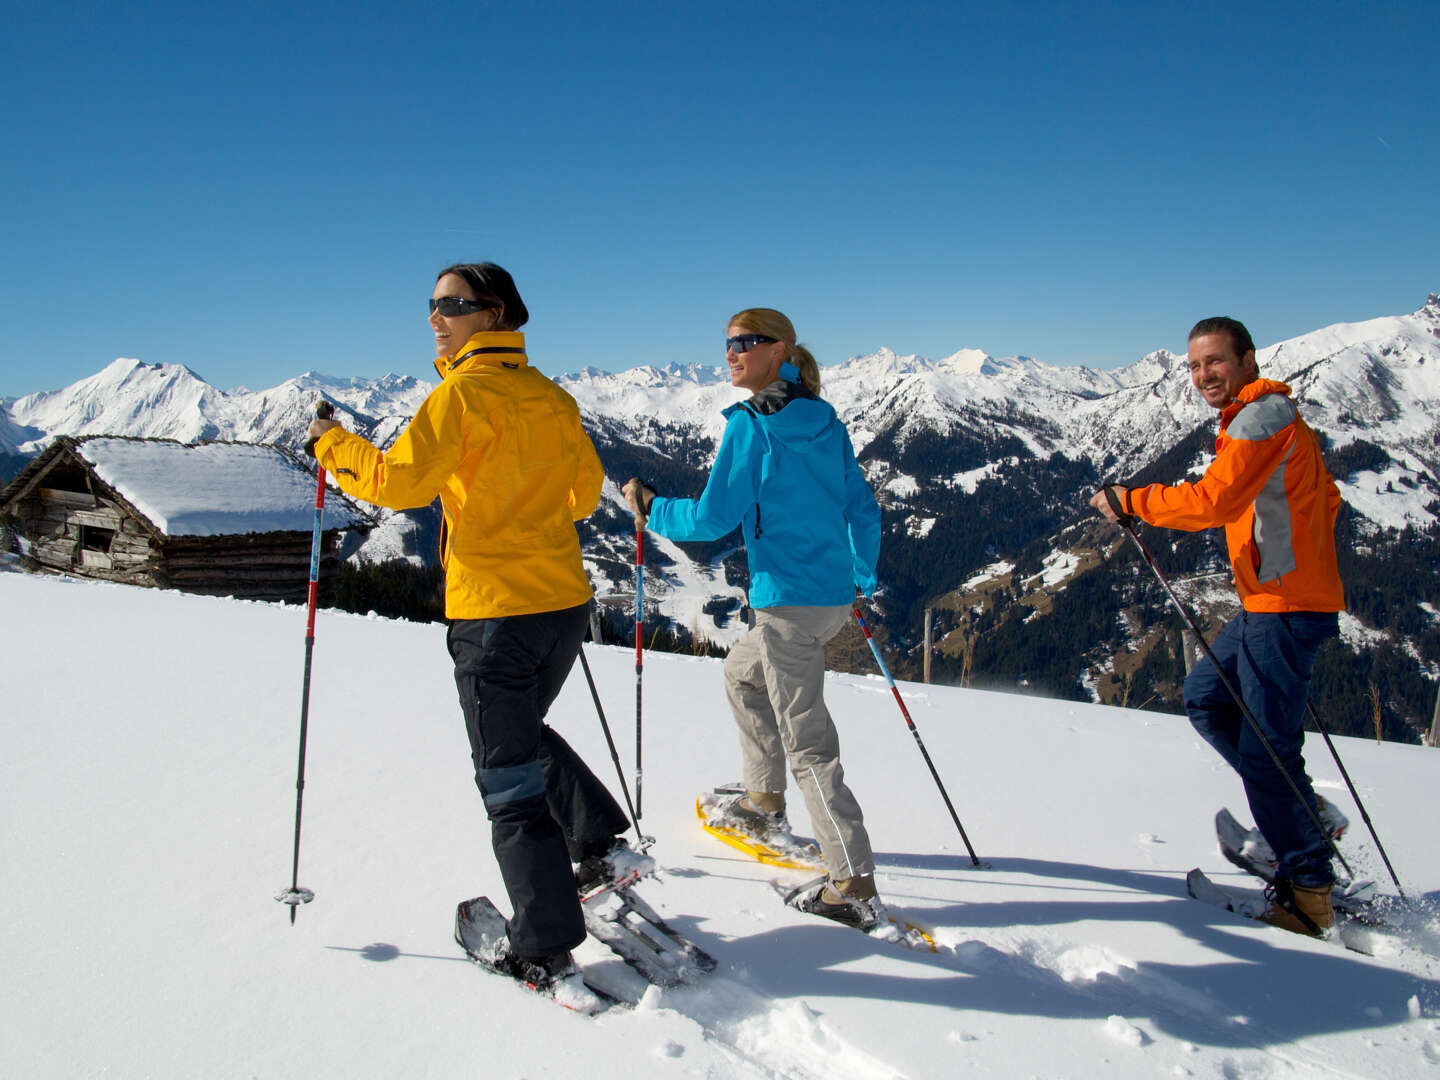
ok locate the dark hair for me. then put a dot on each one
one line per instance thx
(1234, 329)
(491, 282)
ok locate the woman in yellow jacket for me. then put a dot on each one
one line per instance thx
(502, 447)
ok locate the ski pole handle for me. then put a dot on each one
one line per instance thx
(1126, 519)
(323, 411)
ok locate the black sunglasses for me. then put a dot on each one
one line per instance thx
(451, 306)
(745, 342)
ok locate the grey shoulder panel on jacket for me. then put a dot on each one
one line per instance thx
(1263, 417)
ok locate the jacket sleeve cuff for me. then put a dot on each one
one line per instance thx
(326, 443)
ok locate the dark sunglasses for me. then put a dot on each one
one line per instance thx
(745, 342)
(451, 306)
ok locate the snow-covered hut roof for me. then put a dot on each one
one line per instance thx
(213, 488)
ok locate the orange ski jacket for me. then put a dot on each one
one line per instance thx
(503, 447)
(1269, 487)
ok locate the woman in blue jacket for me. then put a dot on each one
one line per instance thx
(786, 474)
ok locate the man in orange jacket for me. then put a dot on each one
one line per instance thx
(1268, 486)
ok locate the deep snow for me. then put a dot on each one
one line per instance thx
(148, 800)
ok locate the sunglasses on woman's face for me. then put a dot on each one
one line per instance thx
(745, 342)
(451, 306)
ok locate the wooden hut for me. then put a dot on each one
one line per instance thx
(225, 519)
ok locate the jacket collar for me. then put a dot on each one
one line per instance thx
(489, 348)
(1251, 391)
(770, 399)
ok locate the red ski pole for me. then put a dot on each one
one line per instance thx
(295, 895)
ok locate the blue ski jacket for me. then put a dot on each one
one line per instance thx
(786, 474)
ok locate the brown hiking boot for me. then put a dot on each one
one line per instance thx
(852, 888)
(851, 901)
(1298, 908)
(769, 802)
(755, 813)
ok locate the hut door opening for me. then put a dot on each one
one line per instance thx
(95, 546)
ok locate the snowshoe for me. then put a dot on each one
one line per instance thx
(618, 866)
(1255, 850)
(480, 931)
(636, 933)
(727, 815)
(735, 810)
(1247, 849)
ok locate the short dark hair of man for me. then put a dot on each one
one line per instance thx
(1234, 329)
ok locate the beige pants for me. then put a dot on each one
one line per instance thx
(774, 678)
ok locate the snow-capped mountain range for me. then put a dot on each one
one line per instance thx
(961, 450)
(1378, 380)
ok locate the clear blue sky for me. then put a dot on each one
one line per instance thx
(258, 189)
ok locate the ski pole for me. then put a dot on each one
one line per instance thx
(614, 754)
(1127, 523)
(295, 895)
(974, 859)
(1325, 734)
(639, 653)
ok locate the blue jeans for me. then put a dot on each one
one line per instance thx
(1267, 657)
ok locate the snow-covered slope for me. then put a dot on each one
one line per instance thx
(148, 792)
(13, 435)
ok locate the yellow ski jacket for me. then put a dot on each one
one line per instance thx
(503, 447)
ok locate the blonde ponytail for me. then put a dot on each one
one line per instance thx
(809, 369)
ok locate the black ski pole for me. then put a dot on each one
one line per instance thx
(1127, 523)
(643, 840)
(295, 895)
(874, 649)
(1325, 734)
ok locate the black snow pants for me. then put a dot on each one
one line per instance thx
(546, 808)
